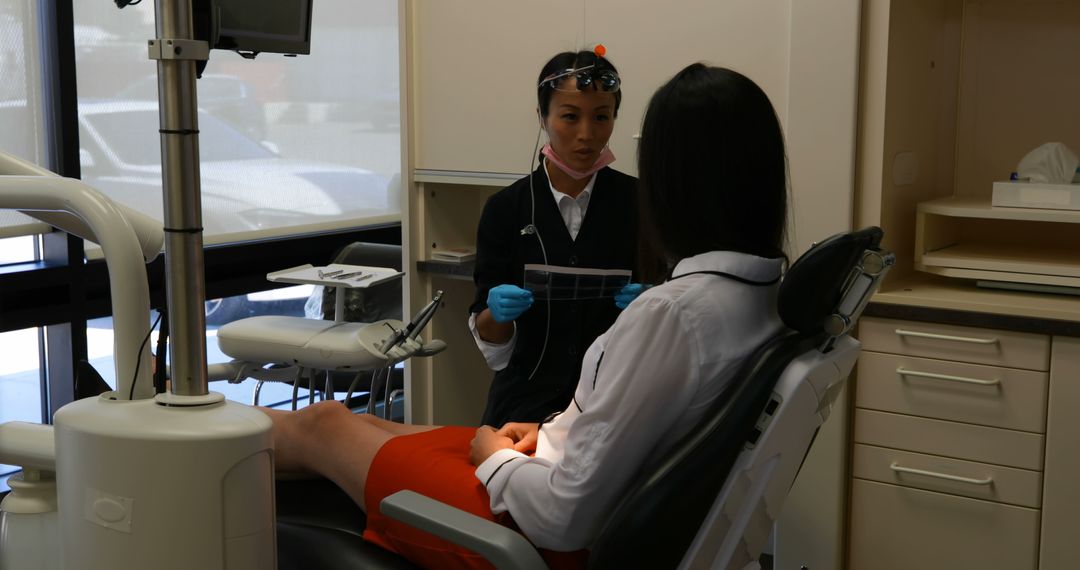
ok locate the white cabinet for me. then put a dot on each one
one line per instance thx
(963, 450)
(1059, 548)
(900, 528)
(948, 447)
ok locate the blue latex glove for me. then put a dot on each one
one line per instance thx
(628, 293)
(507, 302)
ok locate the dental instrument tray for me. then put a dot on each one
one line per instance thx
(335, 275)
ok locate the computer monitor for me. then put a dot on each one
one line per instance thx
(261, 26)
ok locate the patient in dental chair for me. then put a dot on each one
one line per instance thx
(713, 191)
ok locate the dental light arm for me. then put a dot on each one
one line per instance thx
(68, 199)
(30, 446)
(147, 230)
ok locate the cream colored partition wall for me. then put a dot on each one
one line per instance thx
(821, 125)
(476, 64)
(451, 388)
(650, 41)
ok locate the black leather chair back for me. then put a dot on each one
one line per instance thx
(374, 303)
(659, 516)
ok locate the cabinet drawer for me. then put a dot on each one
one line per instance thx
(897, 528)
(987, 395)
(977, 480)
(964, 344)
(949, 439)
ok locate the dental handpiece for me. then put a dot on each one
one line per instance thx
(426, 315)
(415, 325)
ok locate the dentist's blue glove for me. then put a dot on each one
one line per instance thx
(628, 293)
(507, 302)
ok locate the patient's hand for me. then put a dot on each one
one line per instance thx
(486, 442)
(523, 435)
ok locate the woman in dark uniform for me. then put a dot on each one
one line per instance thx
(573, 211)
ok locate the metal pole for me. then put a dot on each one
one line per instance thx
(179, 126)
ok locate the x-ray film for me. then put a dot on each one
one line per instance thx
(556, 283)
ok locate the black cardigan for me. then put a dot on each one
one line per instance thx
(607, 239)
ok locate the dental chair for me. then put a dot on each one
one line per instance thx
(377, 302)
(327, 354)
(712, 500)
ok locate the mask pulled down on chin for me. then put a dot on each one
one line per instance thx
(606, 157)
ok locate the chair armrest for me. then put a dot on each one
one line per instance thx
(503, 547)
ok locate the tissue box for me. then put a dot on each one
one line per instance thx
(1018, 194)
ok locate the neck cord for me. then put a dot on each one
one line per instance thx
(532, 229)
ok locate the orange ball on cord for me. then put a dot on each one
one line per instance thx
(600, 50)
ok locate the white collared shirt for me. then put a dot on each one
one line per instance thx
(572, 211)
(644, 384)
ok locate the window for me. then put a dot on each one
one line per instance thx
(18, 250)
(21, 135)
(287, 145)
(288, 301)
(20, 383)
(21, 129)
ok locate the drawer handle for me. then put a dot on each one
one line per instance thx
(967, 339)
(901, 469)
(905, 372)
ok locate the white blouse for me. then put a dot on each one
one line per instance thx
(644, 384)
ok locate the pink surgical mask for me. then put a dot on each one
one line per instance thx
(606, 157)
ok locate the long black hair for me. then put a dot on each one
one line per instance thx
(712, 167)
(570, 60)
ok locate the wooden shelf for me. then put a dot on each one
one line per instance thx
(1018, 260)
(957, 207)
(968, 238)
(935, 292)
(462, 270)
(497, 179)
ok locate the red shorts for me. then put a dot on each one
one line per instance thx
(435, 464)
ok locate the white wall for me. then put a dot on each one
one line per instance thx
(476, 66)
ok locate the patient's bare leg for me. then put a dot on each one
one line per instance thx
(394, 427)
(327, 439)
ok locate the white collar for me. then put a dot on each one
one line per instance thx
(582, 198)
(743, 265)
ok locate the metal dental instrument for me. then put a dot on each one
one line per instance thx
(325, 274)
(415, 325)
(350, 275)
(429, 311)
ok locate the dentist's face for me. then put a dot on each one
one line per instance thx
(579, 124)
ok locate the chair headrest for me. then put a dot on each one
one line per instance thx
(813, 286)
(374, 254)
